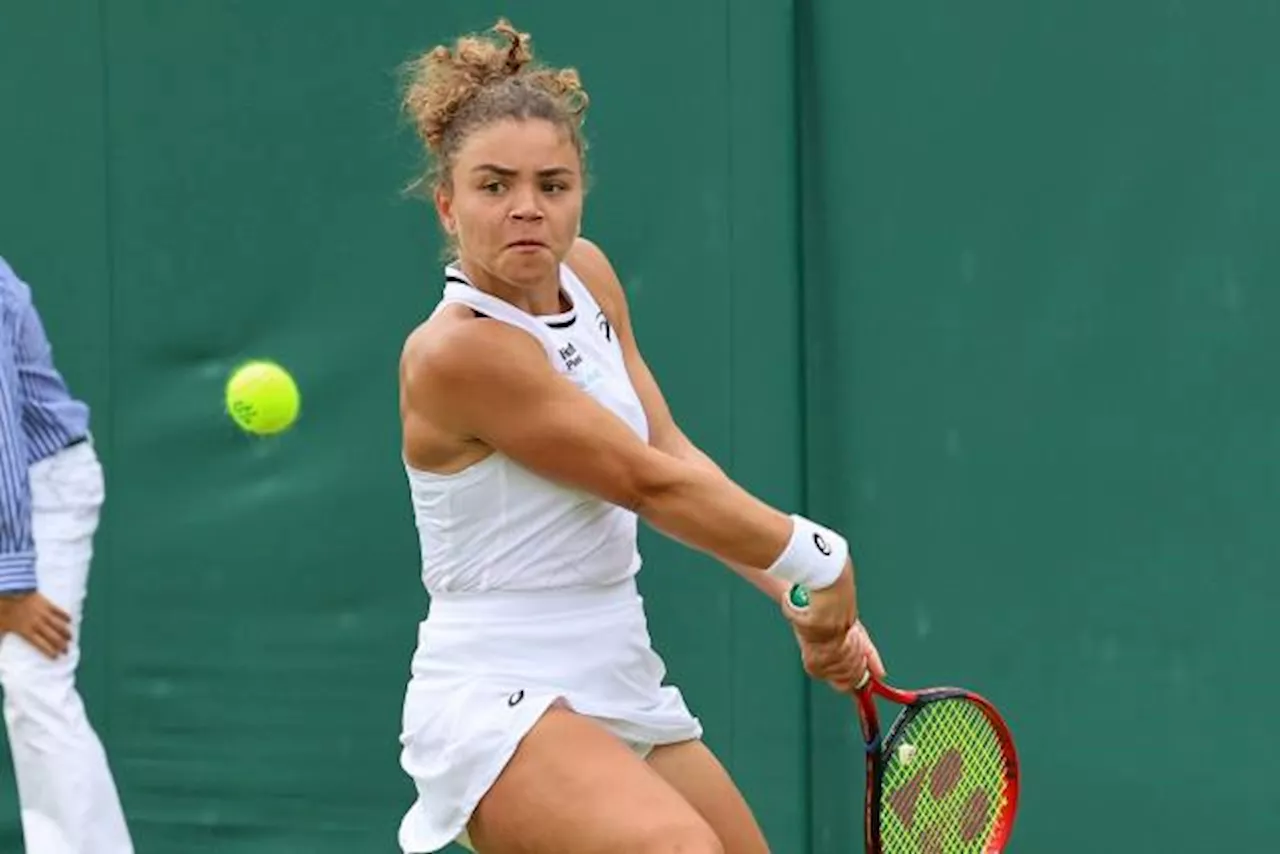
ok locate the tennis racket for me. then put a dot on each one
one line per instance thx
(943, 779)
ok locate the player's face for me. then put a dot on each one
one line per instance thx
(515, 201)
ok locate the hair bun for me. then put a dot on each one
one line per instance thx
(444, 79)
(519, 53)
(451, 89)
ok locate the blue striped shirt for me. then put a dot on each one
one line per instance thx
(38, 417)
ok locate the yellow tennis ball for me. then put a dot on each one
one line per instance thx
(262, 397)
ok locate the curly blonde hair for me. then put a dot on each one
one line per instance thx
(453, 92)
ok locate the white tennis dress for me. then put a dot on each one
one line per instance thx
(533, 597)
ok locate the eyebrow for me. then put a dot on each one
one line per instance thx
(507, 172)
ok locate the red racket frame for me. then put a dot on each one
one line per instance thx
(913, 701)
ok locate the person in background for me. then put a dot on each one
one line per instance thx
(51, 494)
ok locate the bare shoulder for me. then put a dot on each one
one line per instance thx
(596, 271)
(459, 376)
(456, 351)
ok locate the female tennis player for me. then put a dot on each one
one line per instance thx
(537, 718)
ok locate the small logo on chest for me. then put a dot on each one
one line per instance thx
(572, 358)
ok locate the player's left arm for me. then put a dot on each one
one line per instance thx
(593, 267)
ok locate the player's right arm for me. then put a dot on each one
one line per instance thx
(487, 381)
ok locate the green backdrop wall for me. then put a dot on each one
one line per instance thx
(1040, 277)
(989, 288)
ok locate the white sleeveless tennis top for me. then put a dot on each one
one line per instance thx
(496, 525)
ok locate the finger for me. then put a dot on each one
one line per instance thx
(842, 671)
(842, 683)
(54, 644)
(43, 646)
(62, 635)
(858, 659)
(52, 630)
(850, 679)
(56, 630)
(849, 684)
(859, 673)
(837, 669)
(822, 664)
(874, 662)
(61, 615)
(817, 659)
(828, 649)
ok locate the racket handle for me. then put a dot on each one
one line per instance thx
(798, 596)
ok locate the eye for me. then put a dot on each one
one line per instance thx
(492, 188)
(553, 187)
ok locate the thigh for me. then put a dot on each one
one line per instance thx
(573, 788)
(693, 770)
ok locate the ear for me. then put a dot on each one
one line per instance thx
(444, 209)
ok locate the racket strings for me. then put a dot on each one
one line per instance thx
(943, 782)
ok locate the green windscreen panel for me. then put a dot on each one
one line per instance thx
(1042, 310)
(223, 181)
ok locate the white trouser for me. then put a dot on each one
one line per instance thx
(68, 798)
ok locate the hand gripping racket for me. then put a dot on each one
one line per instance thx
(944, 779)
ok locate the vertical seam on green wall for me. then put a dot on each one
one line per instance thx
(802, 368)
(730, 208)
(105, 614)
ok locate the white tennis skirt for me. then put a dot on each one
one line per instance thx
(489, 665)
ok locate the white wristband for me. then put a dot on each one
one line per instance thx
(814, 556)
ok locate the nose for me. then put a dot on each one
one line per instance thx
(525, 208)
(526, 213)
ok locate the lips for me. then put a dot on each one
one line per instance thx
(527, 244)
